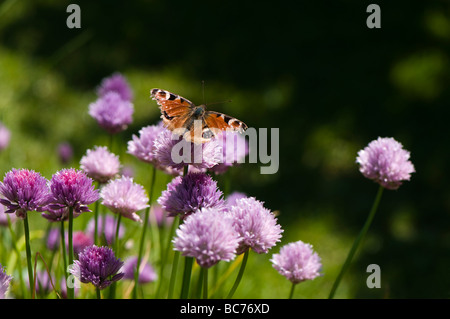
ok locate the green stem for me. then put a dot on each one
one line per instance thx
(188, 262)
(205, 283)
(291, 293)
(173, 275)
(357, 242)
(240, 274)
(70, 290)
(165, 255)
(144, 230)
(116, 239)
(97, 290)
(63, 249)
(28, 249)
(14, 241)
(96, 218)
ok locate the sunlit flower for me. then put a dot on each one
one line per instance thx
(256, 225)
(100, 164)
(386, 162)
(72, 188)
(187, 194)
(125, 197)
(23, 190)
(112, 113)
(297, 262)
(208, 236)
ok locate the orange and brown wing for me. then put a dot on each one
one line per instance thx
(175, 110)
(223, 122)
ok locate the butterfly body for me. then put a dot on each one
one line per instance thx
(199, 124)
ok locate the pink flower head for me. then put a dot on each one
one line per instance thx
(72, 188)
(297, 262)
(100, 164)
(112, 113)
(386, 162)
(23, 190)
(256, 225)
(208, 236)
(123, 196)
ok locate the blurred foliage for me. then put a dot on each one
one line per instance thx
(311, 68)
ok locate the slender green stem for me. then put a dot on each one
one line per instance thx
(198, 289)
(144, 230)
(70, 290)
(96, 218)
(188, 262)
(291, 292)
(173, 275)
(28, 249)
(165, 255)
(63, 249)
(205, 283)
(99, 296)
(14, 241)
(357, 242)
(116, 239)
(240, 274)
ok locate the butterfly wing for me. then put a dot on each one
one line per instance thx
(175, 110)
(223, 122)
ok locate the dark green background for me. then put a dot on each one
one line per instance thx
(310, 68)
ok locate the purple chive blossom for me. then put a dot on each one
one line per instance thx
(23, 190)
(234, 150)
(98, 266)
(208, 236)
(100, 164)
(5, 137)
(256, 225)
(147, 273)
(187, 194)
(65, 152)
(123, 196)
(106, 229)
(297, 262)
(173, 151)
(142, 146)
(112, 113)
(4, 282)
(386, 162)
(72, 188)
(116, 83)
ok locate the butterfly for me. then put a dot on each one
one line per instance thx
(195, 122)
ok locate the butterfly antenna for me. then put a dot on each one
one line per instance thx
(203, 91)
